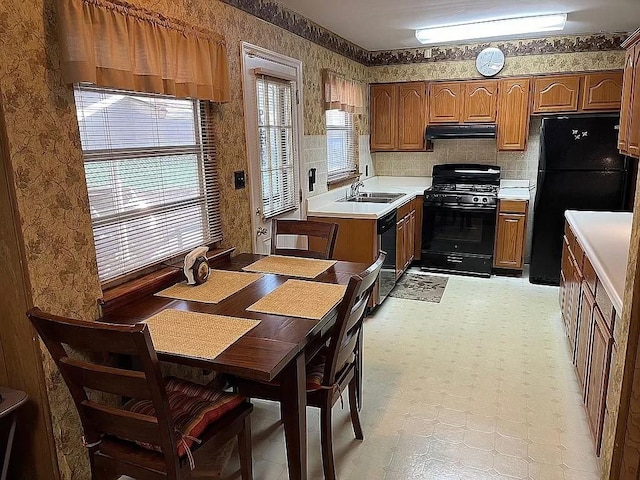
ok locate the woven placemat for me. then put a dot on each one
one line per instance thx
(299, 298)
(220, 285)
(196, 334)
(290, 266)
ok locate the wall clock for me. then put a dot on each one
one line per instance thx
(490, 61)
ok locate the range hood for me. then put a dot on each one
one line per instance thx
(478, 130)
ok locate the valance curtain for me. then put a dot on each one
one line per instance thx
(114, 44)
(343, 94)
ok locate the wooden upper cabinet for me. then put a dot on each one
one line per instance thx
(556, 94)
(513, 114)
(480, 101)
(398, 116)
(602, 91)
(412, 115)
(633, 139)
(384, 117)
(445, 100)
(625, 111)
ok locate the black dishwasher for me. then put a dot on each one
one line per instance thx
(387, 242)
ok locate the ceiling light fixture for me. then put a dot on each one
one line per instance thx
(492, 28)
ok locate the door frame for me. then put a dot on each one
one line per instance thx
(251, 133)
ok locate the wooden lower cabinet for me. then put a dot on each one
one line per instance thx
(401, 234)
(598, 378)
(405, 237)
(587, 304)
(590, 320)
(574, 307)
(411, 238)
(418, 204)
(357, 239)
(511, 228)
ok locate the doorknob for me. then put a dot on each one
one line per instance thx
(261, 231)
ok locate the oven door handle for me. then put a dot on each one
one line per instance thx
(462, 207)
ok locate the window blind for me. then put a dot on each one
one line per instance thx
(341, 147)
(276, 146)
(150, 169)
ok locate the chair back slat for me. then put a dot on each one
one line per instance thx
(118, 381)
(326, 233)
(97, 343)
(357, 312)
(121, 423)
(345, 353)
(81, 335)
(345, 333)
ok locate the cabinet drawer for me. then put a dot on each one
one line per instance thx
(589, 275)
(605, 305)
(513, 206)
(404, 210)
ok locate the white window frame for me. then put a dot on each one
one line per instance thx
(207, 186)
(275, 204)
(349, 128)
(286, 68)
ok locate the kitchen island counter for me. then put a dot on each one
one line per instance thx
(605, 238)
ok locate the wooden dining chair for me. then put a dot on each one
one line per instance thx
(321, 236)
(334, 367)
(154, 433)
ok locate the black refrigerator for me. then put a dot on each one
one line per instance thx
(580, 169)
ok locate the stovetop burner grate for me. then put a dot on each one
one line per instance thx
(467, 188)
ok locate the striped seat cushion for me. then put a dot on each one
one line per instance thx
(315, 372)
(193, 408)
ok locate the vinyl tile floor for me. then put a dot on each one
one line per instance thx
(479, 386)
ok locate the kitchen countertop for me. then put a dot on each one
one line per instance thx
(514, 190)
(605, 238)
(326, 205)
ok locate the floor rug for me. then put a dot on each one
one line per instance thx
(426, 288)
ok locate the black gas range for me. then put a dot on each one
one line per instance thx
(459, 219)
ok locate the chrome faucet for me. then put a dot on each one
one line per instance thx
(354, 190)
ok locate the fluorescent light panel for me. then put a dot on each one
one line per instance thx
(492, 28)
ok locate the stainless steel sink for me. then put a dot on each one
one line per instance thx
(374, 197)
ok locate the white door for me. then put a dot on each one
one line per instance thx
(273, 112)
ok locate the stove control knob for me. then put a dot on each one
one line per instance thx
(458, 198)
(484, 200)
(476, 199)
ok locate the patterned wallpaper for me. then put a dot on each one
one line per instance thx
(523, 65)
(47, 162)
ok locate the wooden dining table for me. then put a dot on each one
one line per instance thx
(274, 348)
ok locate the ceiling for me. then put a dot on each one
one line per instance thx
(390, 24)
